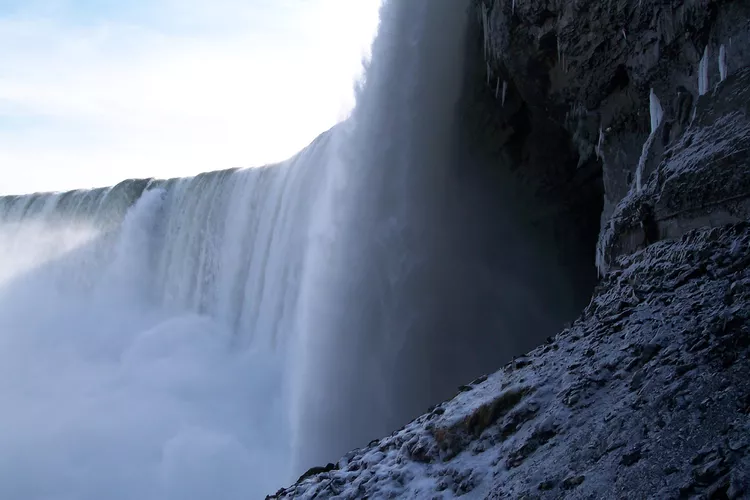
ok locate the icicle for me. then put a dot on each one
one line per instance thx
(486, 31)
(513, 8)
(642, 163)
(489, 72)
(656, 111)
(505, 91)
(497, 89)
(625, 36)
(601, 268)
(598, 148)
(723, 63)
(657, 114)
(703, 73)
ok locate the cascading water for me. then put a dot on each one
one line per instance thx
(420, 276)
(192, 338)
(143, 348)
(372, 326)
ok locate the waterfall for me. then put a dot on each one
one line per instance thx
(144, 330)
(213, 336)
(421, 275)
(371, 328)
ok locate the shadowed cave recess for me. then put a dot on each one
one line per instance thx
(445, 227)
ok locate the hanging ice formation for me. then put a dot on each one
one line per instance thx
(485, 31)
(703, 73)
(655, 110)
(599, 143)
(486, 39)
(657, 114)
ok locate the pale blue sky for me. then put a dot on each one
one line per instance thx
(96, 91)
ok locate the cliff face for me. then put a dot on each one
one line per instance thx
(578, 79)
(699, 179)
(627, 121)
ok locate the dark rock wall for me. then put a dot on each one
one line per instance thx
(527, 161)
(578, 76)
(700, 179)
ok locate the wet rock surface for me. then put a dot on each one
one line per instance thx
(646, 395)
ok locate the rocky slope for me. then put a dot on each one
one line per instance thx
(647, 395)
(637, 111)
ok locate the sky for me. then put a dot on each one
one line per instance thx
(96, 91)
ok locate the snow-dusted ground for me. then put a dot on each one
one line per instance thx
(647, 395)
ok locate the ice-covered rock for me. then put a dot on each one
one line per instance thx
(646, 395)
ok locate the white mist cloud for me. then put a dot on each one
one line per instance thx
(170, 87)
(105, 395)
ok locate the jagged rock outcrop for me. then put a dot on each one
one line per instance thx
(702, 179)
(647, 395)
(584, 71)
